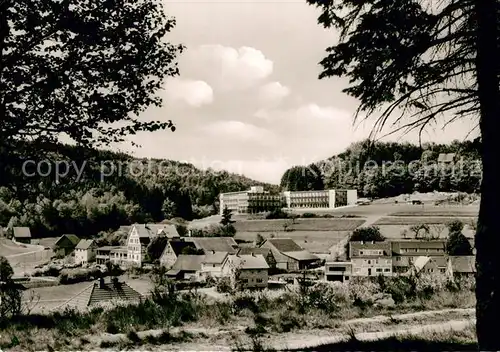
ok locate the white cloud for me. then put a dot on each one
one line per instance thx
(240, 131)
(273, 92)
(194, 93)
(228, 67)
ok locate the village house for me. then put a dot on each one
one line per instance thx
(138, 240)
(65, 245)
(211, 265)
(175, 248)
(247, 271)
(214, 244)
(371, 258)
(427, 265)
(337, 271)
(103, 254)
(461, 266)
(85, 251)
(170, 231)
(265, 252)
(119, 256)
(22, 234)
(141, 235)
(186, 267)
(406, 251)
(288, 255)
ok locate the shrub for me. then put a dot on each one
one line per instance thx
(223, 285)
(277, 214)
(322, 296)
(361, 291)
(309, 215)
(72, 276)
(245, 301)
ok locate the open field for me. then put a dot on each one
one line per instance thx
(313, 241)
(459, 211)
(8, 248)
(396, 231)
(419, 220)
(391, 208)
(299, 225)
(47, 242)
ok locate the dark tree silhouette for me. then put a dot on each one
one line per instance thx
(458, 244)
(421, 62)
(366, 234)
(226, 217)
(371, 233)
(84, 70)
(302, 178)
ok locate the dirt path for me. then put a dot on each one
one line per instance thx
(312, 341)
(223, 339)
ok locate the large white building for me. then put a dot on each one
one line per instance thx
(257, 200)
(321, 199)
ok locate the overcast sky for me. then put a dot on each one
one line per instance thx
(248, 99)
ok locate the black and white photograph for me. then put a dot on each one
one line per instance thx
(249, 175)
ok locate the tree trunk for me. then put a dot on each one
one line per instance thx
(4, 33)
(488, 227)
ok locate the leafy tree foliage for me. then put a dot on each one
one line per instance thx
(192, 251)
(457, 243)
(226, 217)
(92, 204)
(168, 209)
(215, 230)
(182, 230)
(10, 292)
(378, 169)
(417, 61)
(367, 234)
(79, 68)
(302, 178)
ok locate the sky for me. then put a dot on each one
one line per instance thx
(248, 98)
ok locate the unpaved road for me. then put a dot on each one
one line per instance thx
(221, 340)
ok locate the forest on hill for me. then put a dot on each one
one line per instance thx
(84, 192)
(386, 169)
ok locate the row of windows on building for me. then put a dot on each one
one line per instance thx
(426, 250)
(312, 206)
(403, 250)
(309, 195)
(377, 261)
(377, 270)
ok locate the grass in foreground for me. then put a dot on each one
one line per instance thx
(464, 340)
(444, 213)
(321, 306)
(415, 220)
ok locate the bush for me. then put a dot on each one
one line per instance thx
(73, 276)
(50, 270)
(182, 230)
(321, 296)
(224, 285)
(277, 214)
(361, 291)
(309, 215)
